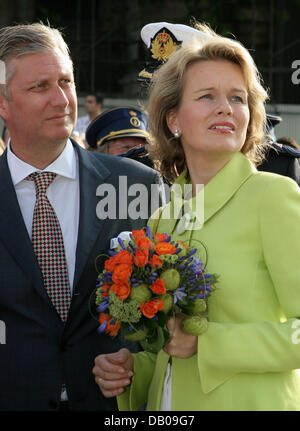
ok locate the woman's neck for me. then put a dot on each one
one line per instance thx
(203, 168)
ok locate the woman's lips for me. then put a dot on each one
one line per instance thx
(222, 127)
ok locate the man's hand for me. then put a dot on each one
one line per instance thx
(182, 345)
(113, 372)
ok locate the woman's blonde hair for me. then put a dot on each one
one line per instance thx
(166, 92)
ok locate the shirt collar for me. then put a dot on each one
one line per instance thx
(64, 165)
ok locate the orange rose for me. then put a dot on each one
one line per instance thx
(164, 248)
(137, 234)
(141, 257)
(183, 244)
(121, 289)
(104, 290)
(150, 308)
(158, 287)
(144, 243)
(124, 257)
(103, 317)
(155, 261)
(122, 272)
(112, 328)
(159, 237)
(159, 303)
(110, 264)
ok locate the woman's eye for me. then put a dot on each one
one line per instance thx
(205, 96)
(237, 99)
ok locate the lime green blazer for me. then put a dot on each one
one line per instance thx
(249, 356)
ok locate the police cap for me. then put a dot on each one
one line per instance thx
(117, 123)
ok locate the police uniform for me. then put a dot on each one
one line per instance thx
(117, 123)
(281, 159)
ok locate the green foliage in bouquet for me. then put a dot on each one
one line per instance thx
(147, 280)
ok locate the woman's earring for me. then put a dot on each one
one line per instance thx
(176, 133)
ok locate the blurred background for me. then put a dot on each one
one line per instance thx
(108, 53)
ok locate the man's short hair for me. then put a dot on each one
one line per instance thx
(19, 40)
(98, 97)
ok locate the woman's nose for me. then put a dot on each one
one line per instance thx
(224, 106)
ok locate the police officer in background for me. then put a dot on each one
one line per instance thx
(121, 132)
(283, 157)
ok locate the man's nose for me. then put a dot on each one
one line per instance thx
(59, 97)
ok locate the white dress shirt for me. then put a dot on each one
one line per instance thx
(63, 194)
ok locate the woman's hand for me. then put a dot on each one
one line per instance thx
(182, 345)
(113, 372)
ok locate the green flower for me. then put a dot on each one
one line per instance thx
(168, 301)
(99, 297)
(195, 325)
(124, 311)
(138, 335)
(195, 307)
(171, 278)
(169, 258)
(140, 293)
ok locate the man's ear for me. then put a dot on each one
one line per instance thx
(171, 119)
(3, 107)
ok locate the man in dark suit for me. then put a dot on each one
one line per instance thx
(51, 339)
(283, 156)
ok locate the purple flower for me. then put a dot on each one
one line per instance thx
(102, 327)
(121, 243)
(148, 232)
(102, 307)
(179, 294)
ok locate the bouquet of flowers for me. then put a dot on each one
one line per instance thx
(148, 279)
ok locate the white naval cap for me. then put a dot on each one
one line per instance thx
(183, 33)
(162, 40)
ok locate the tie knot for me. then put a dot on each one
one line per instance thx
(42, 180)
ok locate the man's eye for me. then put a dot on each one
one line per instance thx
(38, 85)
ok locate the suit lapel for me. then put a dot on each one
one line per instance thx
(90, 227)
(13, 232)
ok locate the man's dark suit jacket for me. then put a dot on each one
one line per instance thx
(283, 160)
(40, 351)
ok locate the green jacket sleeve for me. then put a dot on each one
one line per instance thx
(263, 346)
(136, 395)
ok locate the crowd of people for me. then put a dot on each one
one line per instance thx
(205, 123)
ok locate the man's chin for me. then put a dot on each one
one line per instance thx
(62, 135)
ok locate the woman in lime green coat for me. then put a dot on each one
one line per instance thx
(207, 117)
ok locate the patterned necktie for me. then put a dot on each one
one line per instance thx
(48, 245)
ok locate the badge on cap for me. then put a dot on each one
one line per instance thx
(162, 40)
